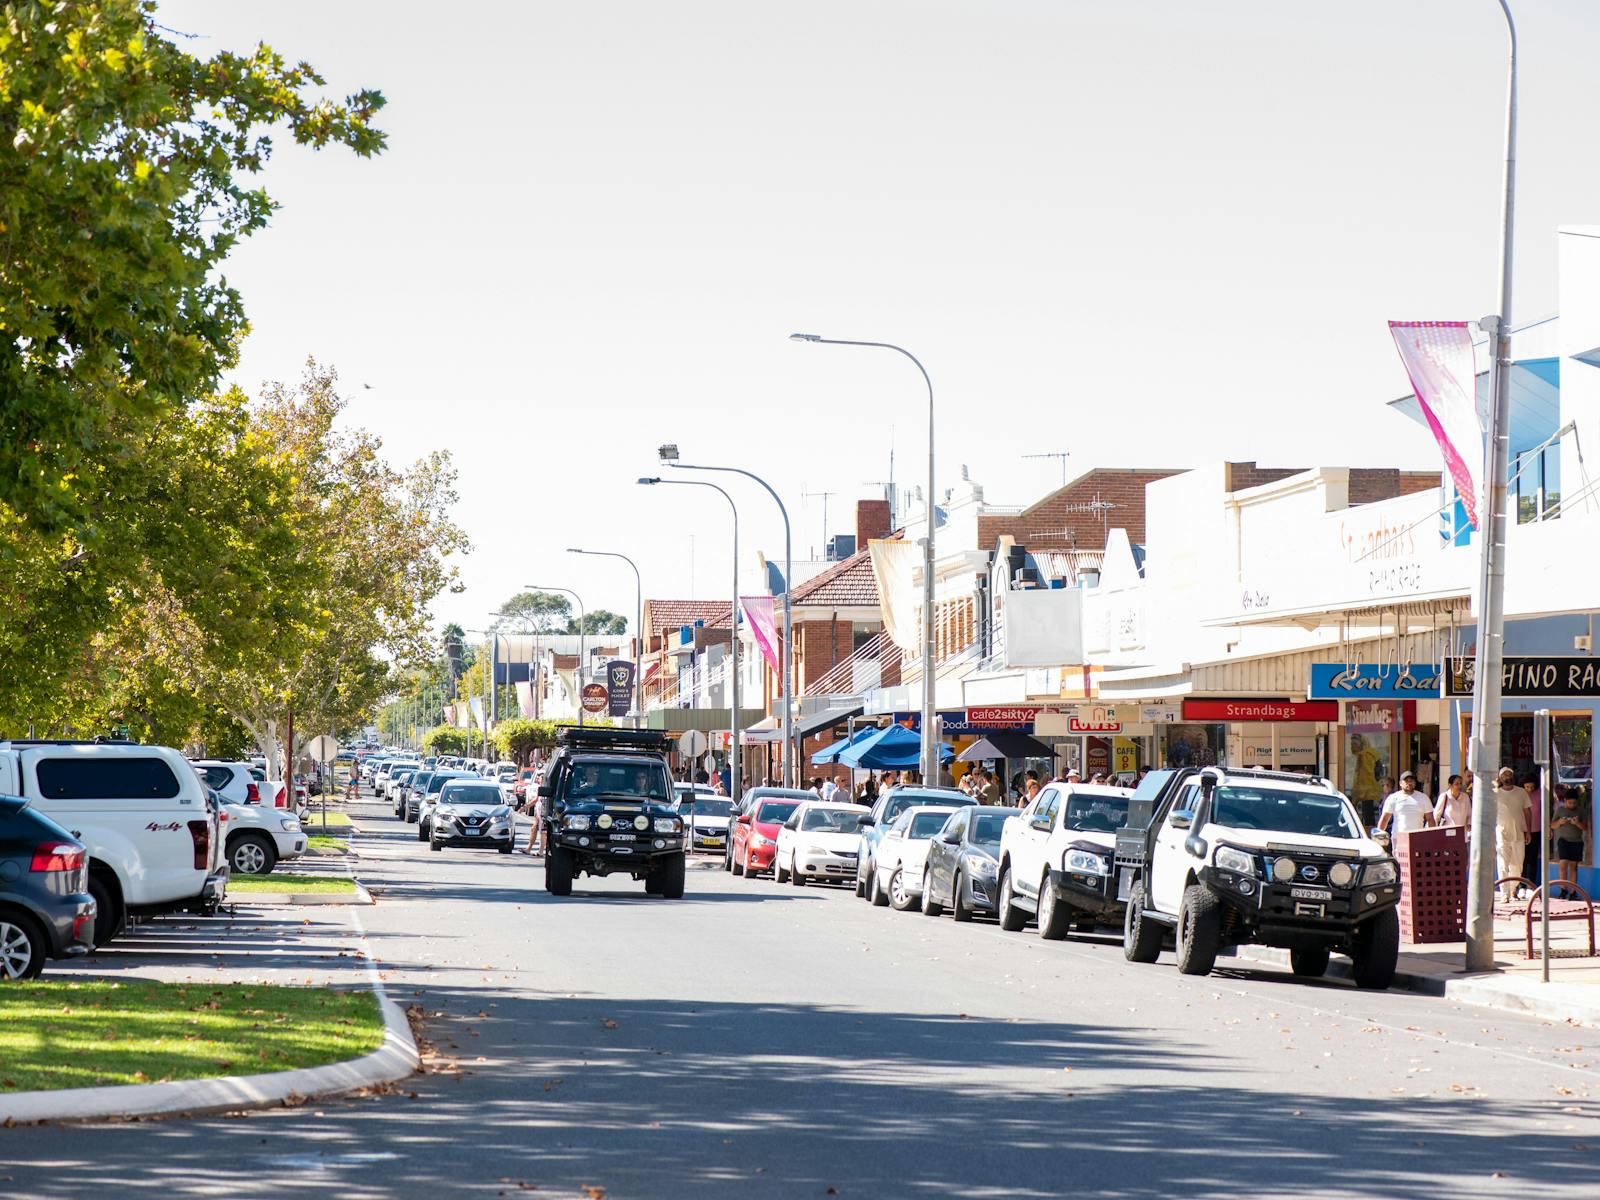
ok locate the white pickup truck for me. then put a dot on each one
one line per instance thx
(1056, 856)
(142, 812)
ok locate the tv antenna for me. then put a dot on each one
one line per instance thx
(1063, 455)
(1094, 507)
(805, 495)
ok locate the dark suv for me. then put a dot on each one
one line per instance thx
(608, 810)
(45, 907)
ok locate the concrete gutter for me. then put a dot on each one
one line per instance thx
(1570, 1003)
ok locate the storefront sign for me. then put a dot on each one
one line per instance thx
(1376, 716)
(619, 685)
(1160, 714)
(1260, 710)
(955, 723)
(595, 697)
(1256, 751)
(1094, 718)
(1339, 681)
(1530, 676)
(1124, 756)
(998, 716)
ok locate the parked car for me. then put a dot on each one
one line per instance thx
(236, 781)
(756, 838)
(46, 910)
(470, 813)
(419, 802)
(705, 820)
(886, 809)
(416, 784)
(902, 854)
(525, 779)
(963, 868)
(140, 811)
(818, 841)
(1056, 859)
(385, 778)
(256, 839)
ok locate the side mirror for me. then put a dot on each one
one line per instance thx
(865, 821)
(745, 820)
(546, 791)
(951, 839)
(1182, 818)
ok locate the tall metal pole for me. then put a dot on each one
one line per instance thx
(1484, 752)
(930, 731)
(583, 645)
(791, 752)
(638, 625)
(735, 759)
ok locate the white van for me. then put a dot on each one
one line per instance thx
(142, 813)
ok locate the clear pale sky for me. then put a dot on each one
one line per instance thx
(1148, 232)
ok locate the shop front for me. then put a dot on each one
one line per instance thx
(1278, 735)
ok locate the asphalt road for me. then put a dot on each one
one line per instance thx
(754, 1040)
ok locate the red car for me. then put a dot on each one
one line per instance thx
(520, 787)
(755, 831)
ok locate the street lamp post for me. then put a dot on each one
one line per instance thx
(583, 651)
(791, 754)
(930, 733)
(1484, 752)
(735, 760)
(638, 625)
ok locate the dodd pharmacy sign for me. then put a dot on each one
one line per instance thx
(1529, 677)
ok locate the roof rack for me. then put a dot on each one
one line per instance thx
(94, 741)
(1268, 773)
(609, 737)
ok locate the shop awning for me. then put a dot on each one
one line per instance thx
(770, 730)
(831, 753)
(1003, 744)
(893, 749)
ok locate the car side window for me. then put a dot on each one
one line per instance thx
(1187, 799)
(106, 779)
(957, 824)
(1044, 810)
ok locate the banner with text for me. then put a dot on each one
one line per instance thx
(1439, 362)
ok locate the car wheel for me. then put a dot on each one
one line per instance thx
(1012, 918)
(779, 875)
(959, 909)
(795, 872)
(1377, 952)
(22, 948)
(1054, 917)
(558, 871)
(738, 867)
(1141, 939)
(876, 896)
(930, 907)
(898, 896)
(252, 854)
(652, 884)
(863, 871)
(506, 849)
(422, 831)
(672, 877)
(1199, 930)
(1310, 962)
(435, 844)
(108, 914)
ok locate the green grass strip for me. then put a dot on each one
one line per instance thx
(285, 882)
(336, 820)
(338, 845)
(64, 1034)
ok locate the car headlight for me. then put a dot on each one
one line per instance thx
(1341, 874)
(578, 821)
(1379, 872)
(1237, 861)
(1084, 862)
(761, 839)
(984, 868)
(642, 822)
(663, 824)
(1283, 868)
(605, 821)
(290, 825)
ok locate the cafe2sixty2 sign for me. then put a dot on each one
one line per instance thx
(1368, 681)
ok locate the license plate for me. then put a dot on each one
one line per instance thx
(470, 832)
(623, 837)
(1305, 893)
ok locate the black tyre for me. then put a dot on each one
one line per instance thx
(795, 873)
(1377, 952)
(1012, 918)
(652, 884)
(959, 908)
(1141, 939)
(1199, 930)
(738, 867)
(930, 906)
(1054, 917)
(109, 916)
(672, 876)
(899, 898)
(435, 844)
(1310, 962)
(558, 871)
(251, 854)
(779, 875)
(876, 896)
(422, 831)
(863, 875)
(22, 947)
(506, 849)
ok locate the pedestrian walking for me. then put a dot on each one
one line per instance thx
(1569, 828)
(534, 805)
(1510, 826)
(830, 790)
(1533, 856)
(988, 788)
(1405, 810)
(1454, 806)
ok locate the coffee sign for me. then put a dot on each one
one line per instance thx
(1342, 681)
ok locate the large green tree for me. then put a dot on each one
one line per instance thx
(125, 180)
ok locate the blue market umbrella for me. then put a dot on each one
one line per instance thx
(831, 753)
(893, 749)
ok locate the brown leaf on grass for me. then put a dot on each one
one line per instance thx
(607, 1023)
(595, 1193)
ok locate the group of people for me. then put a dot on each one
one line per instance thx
(983, 784)
(1516, 821)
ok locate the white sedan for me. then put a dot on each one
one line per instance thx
(819, 841)
(902, 854)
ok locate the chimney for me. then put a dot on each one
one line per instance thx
(872, 521)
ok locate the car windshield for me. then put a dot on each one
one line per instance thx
(1097, 814)
(438, 780)
(903, 803)
(986, 826)
(831, 820)
(711, 806)
(925, 825)
(1282, 811)
(776, 811)
(618, 779)
(470, 793)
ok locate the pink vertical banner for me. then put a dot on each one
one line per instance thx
(1439, 362)
(758, 611)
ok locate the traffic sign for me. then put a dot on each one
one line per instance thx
(692, 743)
(323, 749)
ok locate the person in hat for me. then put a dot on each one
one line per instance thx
(1405, 809)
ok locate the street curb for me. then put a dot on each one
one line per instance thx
(394, 1060)
(359, 896)
(1567, 1003)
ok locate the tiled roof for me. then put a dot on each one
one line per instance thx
(671, 614)
(848, 583)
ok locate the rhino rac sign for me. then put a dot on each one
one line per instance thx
(1529, 677)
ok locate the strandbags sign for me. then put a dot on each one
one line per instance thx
(1368, 681)
(1529, 676)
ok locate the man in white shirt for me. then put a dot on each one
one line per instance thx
(1406, 810)
(830, 790)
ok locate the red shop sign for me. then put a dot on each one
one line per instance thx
(1260, 710)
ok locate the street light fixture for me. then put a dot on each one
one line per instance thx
(930, 739)
(638, 622)
(791, 754)
(583, 654)
(735, 761)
